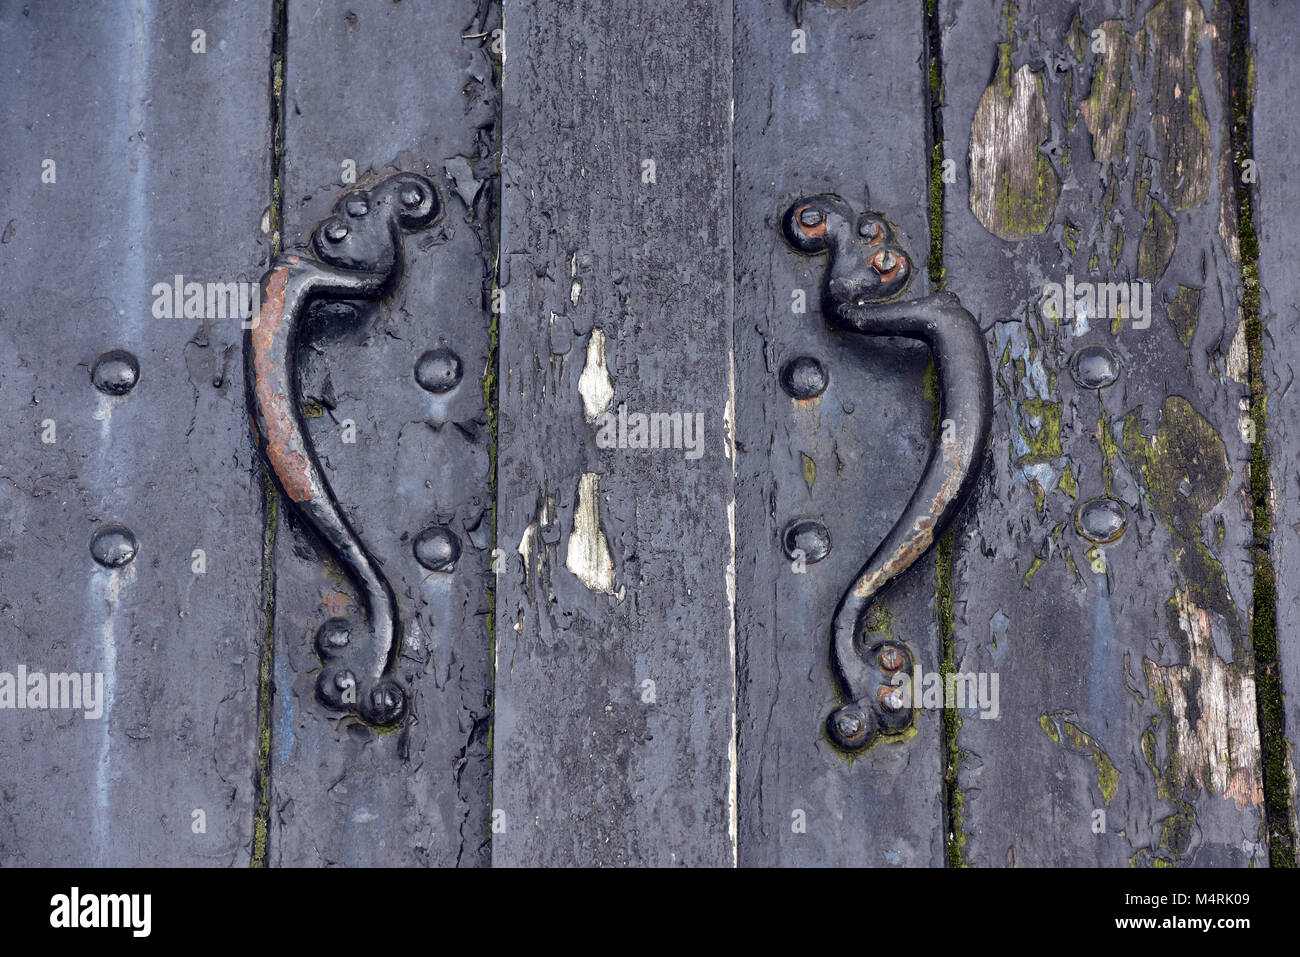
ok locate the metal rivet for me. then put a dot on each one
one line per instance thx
(345, 680)
(113, 545)
(811, 538)
(891, 659)
(386, 703)
(333, 637)
(336, 232)
(869, 229)
(804, 377)
(810, 217)
(356, 206)
(115, 372)
(1094, 367)
(1101, 519)
(890, 698)
(884, 261)
(438, 370)
(850, 726)
(437, 548)
(411, 196)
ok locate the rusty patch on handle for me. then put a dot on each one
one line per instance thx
(922, 537)
(289, 463)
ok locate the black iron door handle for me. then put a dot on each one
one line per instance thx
(358, 255)
(866, 272)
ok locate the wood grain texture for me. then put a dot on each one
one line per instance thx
(1126, 672)
(810, 123)
(614, 718)
(145, 188)
(388, 86)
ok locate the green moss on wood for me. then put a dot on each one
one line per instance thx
(1110, 101)
(1156, 245)
(1067, 483)
(1185, 473)
(1184, 311)
(1049, 727)
(1278, 808)
(1041, 429)
(1013, 189)
(1182, 129)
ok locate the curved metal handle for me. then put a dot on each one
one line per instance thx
(358, 255)
(866, 271)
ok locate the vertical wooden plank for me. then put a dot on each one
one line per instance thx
(848, 115)
(614, 682)
(1128, 729)
(143, 188)
(388, 86)
(1276, 141)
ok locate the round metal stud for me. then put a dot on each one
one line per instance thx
(1101, 520)
(438, 370)
(113, 545)
(1094, 366)
(437, 548)
(811, 538)
(116, 372)
(804, 378)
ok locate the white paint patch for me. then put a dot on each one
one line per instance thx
(103, 596)
(103, 414)
(595, 385)
(728, 415)
(526, 545)
(729, 579)
(588, 553)
(733, 758)
(575, 287)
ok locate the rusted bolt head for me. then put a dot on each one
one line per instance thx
(891, 659)
(869, 230)
(890, 697)
(851, 726)
(810, 217)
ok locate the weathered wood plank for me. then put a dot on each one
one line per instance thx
(1276, 142)
(388, 86)
(1126, 672)
(848, 115)
(614, 714)
(142, 189)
